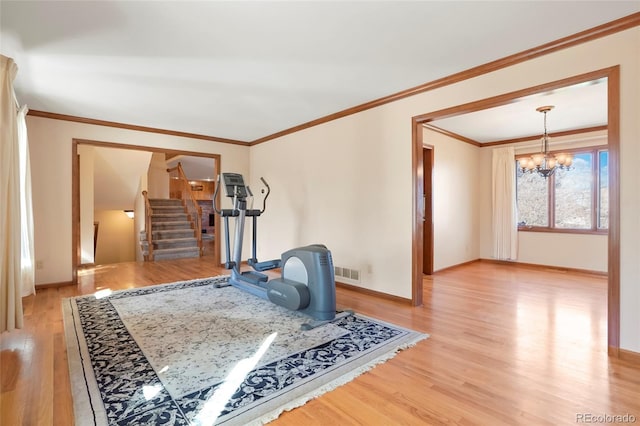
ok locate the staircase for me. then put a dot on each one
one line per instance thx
(172, 231)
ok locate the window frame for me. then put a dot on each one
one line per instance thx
(595, 195)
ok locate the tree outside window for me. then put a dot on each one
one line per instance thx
(574, 200)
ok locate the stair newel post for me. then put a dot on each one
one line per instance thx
(147, 226)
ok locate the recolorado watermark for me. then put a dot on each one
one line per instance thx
(605, 418)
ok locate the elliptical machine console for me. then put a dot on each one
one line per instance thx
(307, 283)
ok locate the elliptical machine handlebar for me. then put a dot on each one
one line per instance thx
(250, 196)
(264, 200)
(215, 197)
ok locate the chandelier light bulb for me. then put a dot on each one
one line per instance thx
(551, 163)
(538, 159)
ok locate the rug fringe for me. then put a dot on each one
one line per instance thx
(343, 380)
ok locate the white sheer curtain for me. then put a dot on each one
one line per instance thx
(26, 209)
(505, 215)
(10, 223)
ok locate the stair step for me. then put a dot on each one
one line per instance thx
(177, 240)
(171, 229)
(176, 253)
(165, 202)
(172, 234)
(171, 217)
(174, 243)
(168, 209)
(181, 224)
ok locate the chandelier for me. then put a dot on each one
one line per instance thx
(543, 163)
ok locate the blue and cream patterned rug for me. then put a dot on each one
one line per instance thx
(188, 353)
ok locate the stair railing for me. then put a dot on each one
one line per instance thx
(193, 208)
(147, 226)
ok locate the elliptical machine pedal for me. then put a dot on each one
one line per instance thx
(310, 325)
(221, 285)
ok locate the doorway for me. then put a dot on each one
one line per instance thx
(427, 217)
(76, 199)
(612, 75)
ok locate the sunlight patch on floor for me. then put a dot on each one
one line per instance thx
(214, 406)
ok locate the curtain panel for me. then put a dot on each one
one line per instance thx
(28, 260)
(10, 221)
(505, 214)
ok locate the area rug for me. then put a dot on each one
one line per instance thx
(189, 353)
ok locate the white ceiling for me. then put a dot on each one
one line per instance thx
(575, 107)
(244, 70)
(195, 168)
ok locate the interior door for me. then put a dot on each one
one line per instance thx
(427, 240)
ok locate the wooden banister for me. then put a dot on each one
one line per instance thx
(147, 225)
(193, 208)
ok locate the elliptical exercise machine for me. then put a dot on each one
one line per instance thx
(307, 283)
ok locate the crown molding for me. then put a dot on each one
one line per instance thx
(452, 134)
(65, 117)
(511, 141)
(553, 135)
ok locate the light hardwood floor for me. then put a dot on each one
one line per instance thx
(508, 345)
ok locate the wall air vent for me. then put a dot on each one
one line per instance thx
(346, 274)
(355, 275)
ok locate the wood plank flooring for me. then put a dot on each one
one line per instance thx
(509, 345)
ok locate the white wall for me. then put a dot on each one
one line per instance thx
(116, 239)
(579, 251)
(456, 223)
(158, 177)
(50, 148)
(86, 154)
(339, 184)
(348, 182)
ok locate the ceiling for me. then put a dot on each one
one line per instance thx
(579, 106)
(245, 70)
(117, 168)
(195, 168)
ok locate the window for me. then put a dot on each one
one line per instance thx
(568, 201)
(603, 189)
